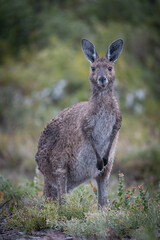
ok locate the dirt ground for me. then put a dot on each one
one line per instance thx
(47, 234)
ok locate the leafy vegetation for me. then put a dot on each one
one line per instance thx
(134, 212)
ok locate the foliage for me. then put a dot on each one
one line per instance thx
(15, 194)
(31, 22)
(9, 191)
(146, 160)
(43, 70)
(79, 216)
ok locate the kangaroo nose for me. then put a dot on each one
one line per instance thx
(102, 80)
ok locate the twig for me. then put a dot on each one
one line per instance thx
(5, 203)
(109, 205)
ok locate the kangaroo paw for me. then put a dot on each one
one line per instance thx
(100, 165)
(105, 161)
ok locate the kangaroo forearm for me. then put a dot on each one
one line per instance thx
(115, 130)
(94, 148)
(100, 164)
(88, 135)
(111, 142)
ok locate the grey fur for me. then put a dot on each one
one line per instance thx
(89, 50)
(79, 144)
(114, 50)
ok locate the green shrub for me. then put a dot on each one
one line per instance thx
(78, 215)
(9, 191)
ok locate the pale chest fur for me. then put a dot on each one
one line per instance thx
(85, 167)
(104, 122)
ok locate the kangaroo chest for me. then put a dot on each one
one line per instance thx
(103, 125)
(85, 167)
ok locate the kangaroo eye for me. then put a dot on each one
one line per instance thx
(110, 69)
(93, 69)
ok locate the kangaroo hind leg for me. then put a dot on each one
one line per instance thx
(61, 181)
(49, 190)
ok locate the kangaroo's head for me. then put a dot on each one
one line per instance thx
(102, 73)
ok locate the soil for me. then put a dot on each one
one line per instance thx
(42, 235)
(46, 234)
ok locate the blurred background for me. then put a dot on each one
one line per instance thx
(43, 70)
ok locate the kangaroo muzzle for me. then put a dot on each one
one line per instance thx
(102, 81)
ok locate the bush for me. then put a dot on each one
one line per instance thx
(78, 216)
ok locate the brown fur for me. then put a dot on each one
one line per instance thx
(79, 138)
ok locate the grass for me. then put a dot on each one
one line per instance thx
(134, 212)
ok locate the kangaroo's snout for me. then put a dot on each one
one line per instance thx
(102, 81)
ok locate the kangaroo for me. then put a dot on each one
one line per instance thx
(79, 144)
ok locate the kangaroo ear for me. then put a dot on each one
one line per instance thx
(114, 50)
(89, 50)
